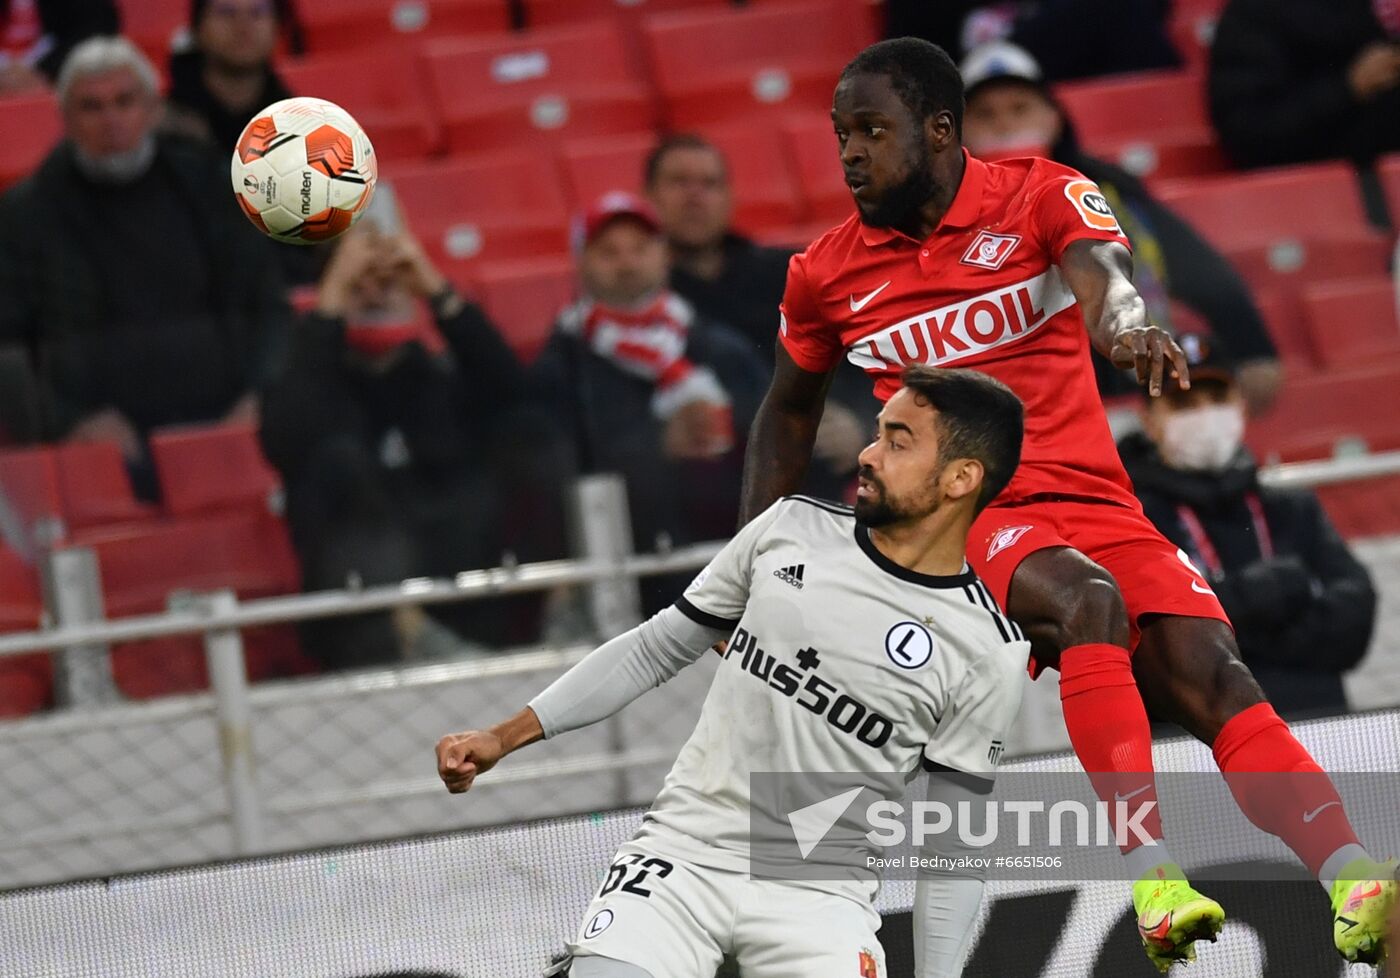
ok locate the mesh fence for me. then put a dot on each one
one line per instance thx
(500, 901)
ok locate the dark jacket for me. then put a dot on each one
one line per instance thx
(1193, 272)
(189, 93)
(442, 406)
(1302, 617)
(1278, 83)
(52, 298)
(67, 22)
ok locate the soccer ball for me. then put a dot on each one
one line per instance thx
(303, 170)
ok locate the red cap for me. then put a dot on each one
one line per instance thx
(611, 206)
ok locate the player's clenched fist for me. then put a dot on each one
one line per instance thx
(1148, 350)
(462, 756)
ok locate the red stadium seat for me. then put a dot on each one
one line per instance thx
(1353, 322)
(1365, 507)
(1389, 172)
(1283, 317)
(818, 167)
(468, 212)
(1153, 123)
(32, 127)
(1286, 227)
(382, 89)
(30, 494)
(94, 486)
(214, 467)
(760, 171)
(359, 25)
(769, 60)
(551, 13)
(26, 681)
(1315, 414)
(524, 298)
(536, 89)
(593, 167)
(156, 26)
(1191, 27)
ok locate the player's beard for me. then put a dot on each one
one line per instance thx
(898, 205)
(884, 510)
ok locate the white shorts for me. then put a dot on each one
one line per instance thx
(675, 919)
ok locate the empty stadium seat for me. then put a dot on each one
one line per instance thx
(1389, 171)
(817, 163)
(1191, 27)
(1353, 323)
(524, 298)
(33, 505)
(26, 681)
(761, 174)
(768, 60)
(32, 127)
(1152, 124)
(1286, 227)
(467, 212)
(1283, 317)
(551, 13)
(593, 167)
(382, 89)
(94, 486)
(1316, 414)
(155, 26)
(213, 467)
(358, 25)
(536, 89)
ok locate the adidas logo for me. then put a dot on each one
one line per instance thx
(791, 575)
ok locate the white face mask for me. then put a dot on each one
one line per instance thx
(1202, 439)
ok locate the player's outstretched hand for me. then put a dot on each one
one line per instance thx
(1148, 350)
(462, 756)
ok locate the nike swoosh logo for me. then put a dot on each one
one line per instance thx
(858, 304)
(1309, 816)
(1201, 589)
(1132, 794)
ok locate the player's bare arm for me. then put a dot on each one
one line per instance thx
(462, 756)
(1100, 273)
(784, 430)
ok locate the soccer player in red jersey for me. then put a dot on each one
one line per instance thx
(1013, 269)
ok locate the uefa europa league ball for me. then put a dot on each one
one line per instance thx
(303, 170)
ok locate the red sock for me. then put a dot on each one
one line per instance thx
(1280, 788)
(1109, 730)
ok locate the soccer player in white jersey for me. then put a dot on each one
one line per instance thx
(860, 642)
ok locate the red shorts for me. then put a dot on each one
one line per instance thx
(1153, 574)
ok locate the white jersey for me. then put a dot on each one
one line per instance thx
(840, 660)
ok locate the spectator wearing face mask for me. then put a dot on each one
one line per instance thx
(1303, 607)
(1011, 112)
(650, 388)
(393, 425)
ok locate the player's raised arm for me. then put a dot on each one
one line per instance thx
(1100, 273)
(619, 671)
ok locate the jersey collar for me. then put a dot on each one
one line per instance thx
(963, 213)
(904, 573)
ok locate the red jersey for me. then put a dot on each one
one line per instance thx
(982, 291)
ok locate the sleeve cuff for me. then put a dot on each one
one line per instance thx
(807, 360)
(704, 617)
(981, 784)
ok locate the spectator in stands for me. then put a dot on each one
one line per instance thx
(1070, 38)
(1298, 80)
(391, 427)
(145, 299)
(1011, 112)
(226, 75)
(733, 280)
(653, 390)
(36, 36)
(1303, 607)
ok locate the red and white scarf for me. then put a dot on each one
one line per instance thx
(648, 342)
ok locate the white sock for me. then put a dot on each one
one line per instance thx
(1332, 866)
(1145, 859)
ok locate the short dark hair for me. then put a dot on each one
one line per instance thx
(679, 140)
(921, 72)
(978, 417)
